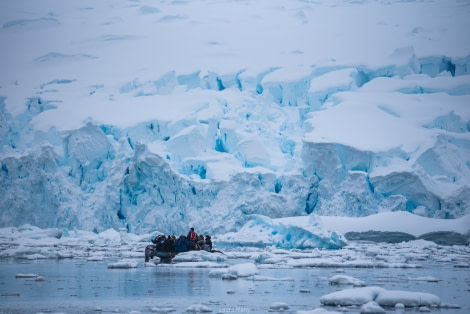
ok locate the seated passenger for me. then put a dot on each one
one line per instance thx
(200, 241)
(160, 241)
(208, 243)
(168, 245)
(182, 244)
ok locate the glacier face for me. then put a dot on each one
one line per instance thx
(165, 150)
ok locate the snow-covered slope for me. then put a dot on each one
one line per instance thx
(163, 115)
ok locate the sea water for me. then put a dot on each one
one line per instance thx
(80, 286)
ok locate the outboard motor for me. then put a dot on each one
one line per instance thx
(150, 251)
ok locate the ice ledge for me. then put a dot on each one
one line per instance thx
(401, 221)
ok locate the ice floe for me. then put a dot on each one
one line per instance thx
(383, 297)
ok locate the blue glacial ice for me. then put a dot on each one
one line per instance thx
(88, 145)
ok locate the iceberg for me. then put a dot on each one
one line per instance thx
(287, 233)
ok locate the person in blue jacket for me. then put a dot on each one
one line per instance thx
(182, 244)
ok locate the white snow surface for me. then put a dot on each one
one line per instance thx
(144, 115)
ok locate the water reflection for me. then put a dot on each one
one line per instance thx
(80, 287)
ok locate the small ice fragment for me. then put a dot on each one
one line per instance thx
(449, 306)
(198, 308)
(162, 309)
(372, 308)
(346, 280)
(95, 259)
(425, 278)
(229, 277)
(123, 264)
(278, 306)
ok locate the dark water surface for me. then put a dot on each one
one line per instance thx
(71, 286)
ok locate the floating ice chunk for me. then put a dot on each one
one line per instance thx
(243, 270)
(95, 259)
(360, 296)
(409, 299)
(217, 273)
(279, 306)
(162, 309)
(354, 296)
(426, 278)
(267, 278)
(123, 264)
(199, 265)
(328, 262)
(372, 308)
(35, 256)
(235, 271)
(199, 256)
(397, 265)
(65, 254)
(346, 280)
(449, 306)
(198, 308)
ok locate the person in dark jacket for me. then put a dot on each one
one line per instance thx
(159, 242)
(168, 245)
(208, 242)
(182, 244)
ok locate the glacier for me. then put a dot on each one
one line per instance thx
(127, 121)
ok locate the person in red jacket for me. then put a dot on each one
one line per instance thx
(192, 237)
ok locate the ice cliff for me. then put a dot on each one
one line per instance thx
(169, 146)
